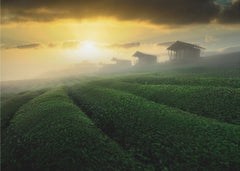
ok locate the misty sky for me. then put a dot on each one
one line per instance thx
(38, 36)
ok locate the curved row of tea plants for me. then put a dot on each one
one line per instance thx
(11, 105)
(51, 133)
(6, 96)
(219, 103)
(166, 137)
(193, 81)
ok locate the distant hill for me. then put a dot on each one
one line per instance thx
(222, 60)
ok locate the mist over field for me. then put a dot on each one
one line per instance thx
(88, 70)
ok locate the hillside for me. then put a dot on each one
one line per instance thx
(120, 85)
(165, 120)
(223, 60)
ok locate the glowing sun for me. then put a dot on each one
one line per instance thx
(88, 48)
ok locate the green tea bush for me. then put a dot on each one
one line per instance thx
(219, 103)
(193, 81)
(51, 133)
(11, 105)
(160, 135)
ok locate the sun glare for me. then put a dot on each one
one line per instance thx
(87, 51)
(88, 47)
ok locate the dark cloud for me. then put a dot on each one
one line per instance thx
(125, 45)
(166, 43)
(25, 46)
(52, 45)
(231, 14)
(224, 3)
(70, 44)
(173, 12)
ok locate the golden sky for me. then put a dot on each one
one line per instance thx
(39, 36)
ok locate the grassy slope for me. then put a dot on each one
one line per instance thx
(161, 135)
(50, 132)
(219, 103)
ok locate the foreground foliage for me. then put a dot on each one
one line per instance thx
(51, 133)
(160, 135)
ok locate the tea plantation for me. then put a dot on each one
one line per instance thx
(219, 103)
(127, 122)
(51, 133)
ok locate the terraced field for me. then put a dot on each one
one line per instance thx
(220, 103)
(192, 81)
(137, 122)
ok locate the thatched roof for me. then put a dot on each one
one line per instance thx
(143, 55)
(120, 60)
(182, 45)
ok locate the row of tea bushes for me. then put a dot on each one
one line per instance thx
(166, 137)
(220, 103)
(193, 81)
(51, 133)
(12, 104)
